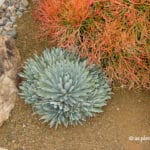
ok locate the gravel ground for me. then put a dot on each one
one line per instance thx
(10, 10)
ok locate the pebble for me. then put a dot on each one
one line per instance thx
(1, 2)
(10, 10)
(23, 125)
(117, 108)
(2, 22)
(12, 33)
(13, 141)
(1, 148)
(25, 3)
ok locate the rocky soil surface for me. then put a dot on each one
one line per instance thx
(9, 11)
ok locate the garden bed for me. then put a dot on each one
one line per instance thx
(127, 114)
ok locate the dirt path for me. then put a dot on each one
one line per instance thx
(127, 114)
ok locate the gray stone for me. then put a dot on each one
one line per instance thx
(2, 22)
(3, 6)
(25, 3)
(12, 33)
(22, 9)
(1, 2)
(9, 24)
(19, 14)
(13, 19)
(4, 32)
(8, 14)
(7, 28)
(11, 9)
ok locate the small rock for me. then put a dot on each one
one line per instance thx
(24, 126)
(3, 148)
(13, 141)
(9, 24)
(25, 3)
(19, 14)
(8, 14)
(17, 5)
(13, 19)
(7, 28)
(117, 108)
(12, 33)
(11, 9)
(2, 23)
(3, 6)
(15, 25)
(1, 2)
(1, 30)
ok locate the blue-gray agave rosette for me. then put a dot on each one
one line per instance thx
(62, 88)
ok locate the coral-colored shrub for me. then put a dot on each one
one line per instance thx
(115, 34)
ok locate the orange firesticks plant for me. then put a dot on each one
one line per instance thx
(115, 34)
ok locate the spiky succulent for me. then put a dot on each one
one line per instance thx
(62, 88)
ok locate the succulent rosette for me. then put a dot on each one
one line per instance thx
(62, 88)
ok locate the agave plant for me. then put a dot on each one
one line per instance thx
(62, 88)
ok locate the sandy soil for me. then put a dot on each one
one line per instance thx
(127, 114)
